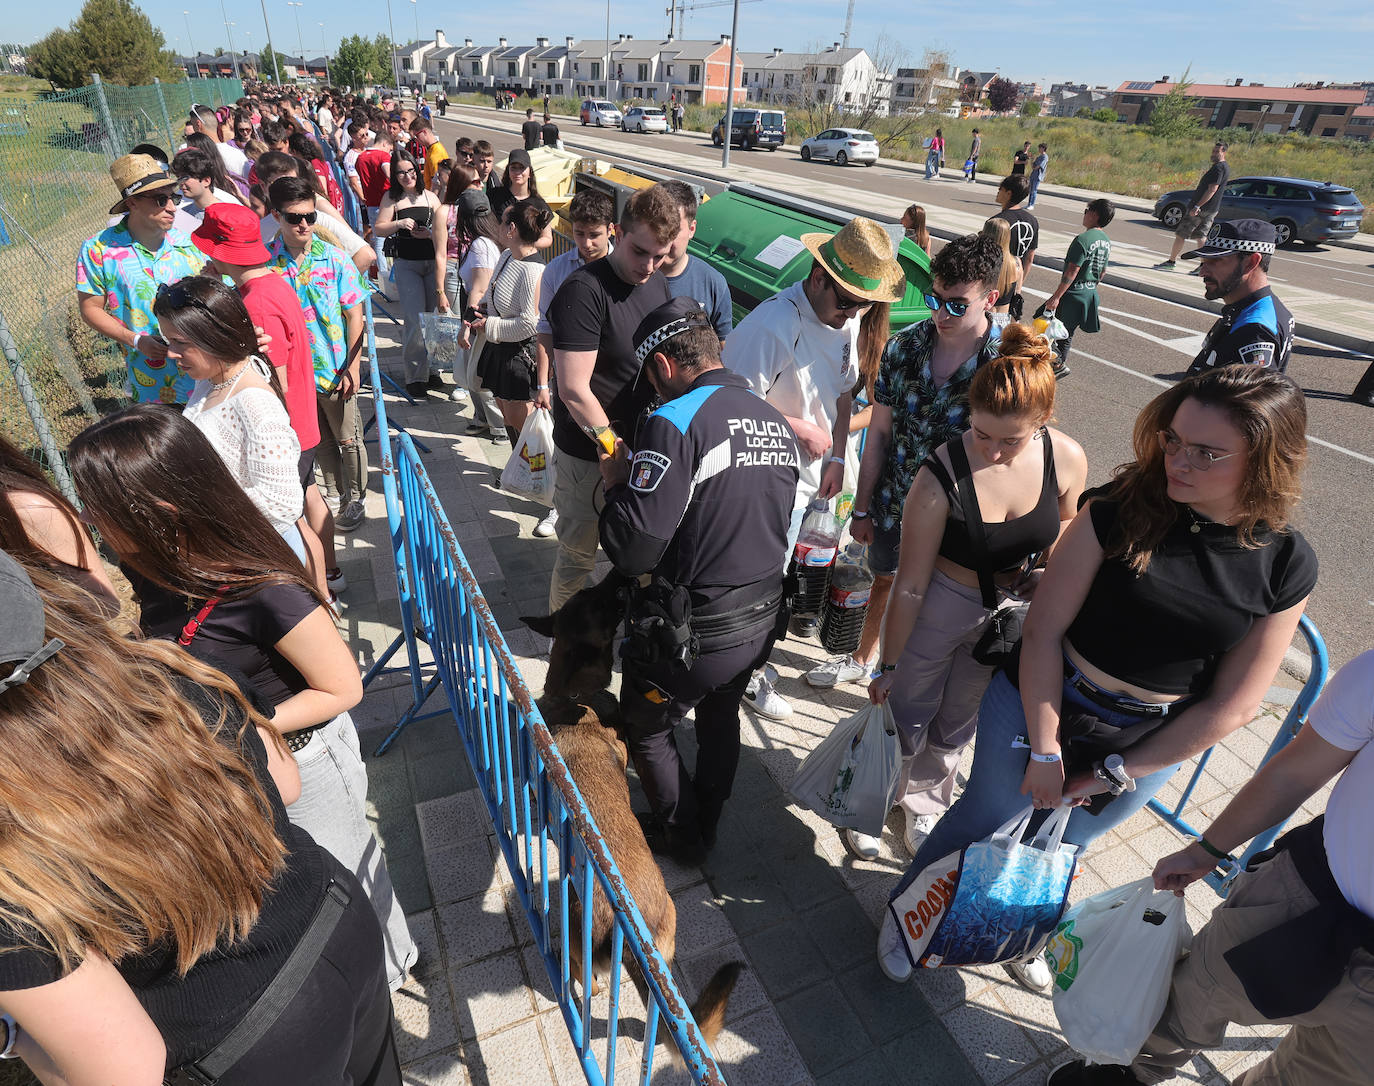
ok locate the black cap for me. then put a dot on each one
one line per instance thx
(22, 641)
(665, 322)
(520, 156)
(1237, 236)
(474, 202)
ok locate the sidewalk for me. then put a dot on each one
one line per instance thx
(1319, 316)
(779, 893)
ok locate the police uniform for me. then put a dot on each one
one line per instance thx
(1257, 330)
(705, 512)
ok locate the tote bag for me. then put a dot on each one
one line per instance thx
(850, 779)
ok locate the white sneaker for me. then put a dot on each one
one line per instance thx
(337, 581)
(892, 957)
(918, 828)
(763, 698)
(459, 395)
(842, 669)
(545, 527)
(1033, 973)
(864, 845)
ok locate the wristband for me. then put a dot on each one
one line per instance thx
(1048, 759)
(1210, 848)
(541, 388)
(886, 667)
(834, 459)
(856, 515)
(11, 1037)
(136, 337)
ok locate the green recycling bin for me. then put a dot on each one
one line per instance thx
(752, 237)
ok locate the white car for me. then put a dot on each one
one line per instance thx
(842, 146)
(644, 119)
(600, 113)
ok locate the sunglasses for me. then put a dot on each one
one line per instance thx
(295, 218)
(243, 131)
(953, 308)
(846, 302)
(1197, 456)
(176, 296)
(162, 199)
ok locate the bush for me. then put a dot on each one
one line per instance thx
(1106, 116)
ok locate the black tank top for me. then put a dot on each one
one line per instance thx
(1008, 542)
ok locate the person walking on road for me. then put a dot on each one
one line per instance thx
(1025, 227)
(548, 133)
(971, 166)
(1255, 328)
(1074, 301)
(679, 114)
(1037, 174)
(1202, 209)
(935, 155)
(529, 131)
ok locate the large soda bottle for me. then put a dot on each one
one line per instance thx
(817, 543)
(846, 601)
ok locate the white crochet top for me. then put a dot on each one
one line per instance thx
(252, 434)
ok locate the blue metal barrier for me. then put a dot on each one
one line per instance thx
(1226, 870)
(531, 798)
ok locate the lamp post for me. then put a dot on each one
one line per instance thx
(276, 69)
(324, 46)
(730, 89)
(195, 57)
(300, 41)
(395, 60)
(228, 29)
(416, 6)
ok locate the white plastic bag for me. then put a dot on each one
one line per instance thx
(441, 332)
(529, 471)
(1113, 957)
(850, 779)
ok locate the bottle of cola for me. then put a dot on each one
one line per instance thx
(846, 601)
(817, 543)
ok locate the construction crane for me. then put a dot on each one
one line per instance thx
(848, 23)
(676, 23)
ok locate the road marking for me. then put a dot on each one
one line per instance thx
(1167, 384)
(1340, 280)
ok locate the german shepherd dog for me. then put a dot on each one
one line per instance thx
(585, 719)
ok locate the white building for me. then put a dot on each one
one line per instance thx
(846, 78)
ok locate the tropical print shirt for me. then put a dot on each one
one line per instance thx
(327, 282)
(114, 266)
(924, 415)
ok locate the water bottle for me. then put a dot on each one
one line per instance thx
(812, 558)
(846, 601)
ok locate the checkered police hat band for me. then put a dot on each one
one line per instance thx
(667, 332)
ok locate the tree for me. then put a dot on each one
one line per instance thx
(926, 95)
(1002, 95)
(854, 98)
(110, 37)
(355, 61)
(1106, 116)
(265, 67)
(1030, 107)
(1085, 112)
(1172, 116)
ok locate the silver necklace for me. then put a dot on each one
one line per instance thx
(232, 381)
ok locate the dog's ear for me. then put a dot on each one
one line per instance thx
(540, 624)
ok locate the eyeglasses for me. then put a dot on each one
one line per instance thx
(405, 173)
(295, 218)
(953, 308)
(162, 199)
(845, 302)
(1197, 456)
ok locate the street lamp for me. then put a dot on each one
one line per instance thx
(194, 55)
(416, 5)
(276, 69)
(395, 59)
(324, 46)
(300, 41)
(228, 29)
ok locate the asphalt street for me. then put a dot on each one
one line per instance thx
(1145, 345)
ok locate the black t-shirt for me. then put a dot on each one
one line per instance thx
(596, 310)
(529, 131)
(549, 134)
(194, 1013)
(1219, 173)
(240, 633)
(1019, 160)
(1167, 629)
(1025, 230)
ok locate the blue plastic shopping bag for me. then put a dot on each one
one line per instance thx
(998, 901)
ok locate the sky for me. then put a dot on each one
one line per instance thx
(1261, 41)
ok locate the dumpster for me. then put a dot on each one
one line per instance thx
(751, 235)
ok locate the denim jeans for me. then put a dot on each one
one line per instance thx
(1035, 179)
(932, 164)
(993, 793)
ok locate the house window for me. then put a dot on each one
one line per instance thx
(596, 69)
(553, 70)
(510, 68)
(575, 67)
(830, 75)
(694, 73)
(1328, 131)
(670, 71)
(476, 67)
(786, 80)
(643, 73)
(405, 64)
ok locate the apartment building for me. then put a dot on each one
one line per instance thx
(1311, 111)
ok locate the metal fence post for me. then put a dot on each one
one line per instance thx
(35, 412)
(106, 121)
(166, 117)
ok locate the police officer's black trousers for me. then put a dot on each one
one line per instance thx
(655, 698)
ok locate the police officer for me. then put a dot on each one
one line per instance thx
(700, 517)
(1255, 328)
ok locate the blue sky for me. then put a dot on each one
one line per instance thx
(1029, 40)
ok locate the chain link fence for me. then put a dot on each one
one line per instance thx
(55, 192)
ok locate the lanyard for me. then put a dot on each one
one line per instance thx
(189, 631)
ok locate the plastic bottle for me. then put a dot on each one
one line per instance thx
(846, 601)
(812, 558)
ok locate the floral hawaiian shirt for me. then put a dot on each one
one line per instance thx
(127, 274)
(924, 415)
(327, 283)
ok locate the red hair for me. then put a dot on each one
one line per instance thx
(1020, 380)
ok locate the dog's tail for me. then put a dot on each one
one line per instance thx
(709, 1009)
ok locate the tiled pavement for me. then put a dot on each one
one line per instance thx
(779, 892)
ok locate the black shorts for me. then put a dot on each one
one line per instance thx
(305, 468)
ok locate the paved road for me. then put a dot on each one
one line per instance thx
(1145, 345)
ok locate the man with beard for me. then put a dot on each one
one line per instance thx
(1255, 328)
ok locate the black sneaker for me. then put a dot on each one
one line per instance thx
(1077, 1072)
(435, 382)
(417, 390)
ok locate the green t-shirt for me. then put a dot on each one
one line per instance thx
(1090, 251)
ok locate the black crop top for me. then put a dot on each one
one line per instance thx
(1167, 629)
(1008, 543)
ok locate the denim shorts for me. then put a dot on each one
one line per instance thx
(885, 549)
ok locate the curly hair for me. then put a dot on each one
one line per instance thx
(1270, 412)
(973, 258)
(1019, 382)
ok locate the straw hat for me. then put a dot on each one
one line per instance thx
(135, 174)
(860, 259)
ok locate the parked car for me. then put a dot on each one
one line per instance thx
(1301, 210)
(842, 146)
(753, 128)
(644, 119)
(600, 113)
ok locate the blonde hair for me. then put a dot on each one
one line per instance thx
(126, 821)
(999, 230)
(1019, 382)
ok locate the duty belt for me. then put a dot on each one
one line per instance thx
(741, 618)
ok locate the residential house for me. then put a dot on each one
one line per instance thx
(440, 65)
(920, 90)
(693, 71)
(1311, 111)
(474, 66)
(846, 77)
(411, 60)
(1066, 99)
(1361, 126)
(510, 65)
(973, 86)
(549, 68)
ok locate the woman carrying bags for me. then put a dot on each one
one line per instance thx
(1156, 629)
(213, 576)
(1022, 480)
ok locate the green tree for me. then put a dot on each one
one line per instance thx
(1173, 114)
(353, 62)
(1002, 95)
(265, 68)
(1085, 112)
(1030, 107)
(1106, 116)
(110, 37)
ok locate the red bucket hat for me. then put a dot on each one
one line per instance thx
(232, 233)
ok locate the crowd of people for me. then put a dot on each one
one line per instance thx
(250, 933)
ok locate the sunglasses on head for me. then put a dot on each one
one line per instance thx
(177, 296)
(846, 302)
(295, 218)
(953, 308)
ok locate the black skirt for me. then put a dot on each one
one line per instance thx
(507, 370)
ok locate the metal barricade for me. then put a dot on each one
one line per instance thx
(1226, 870)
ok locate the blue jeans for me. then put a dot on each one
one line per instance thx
(993, 793)
(932, 164)
(1035, 179)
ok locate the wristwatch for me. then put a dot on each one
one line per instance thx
(856, 515)
(11, 1037)
(1111, 771)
